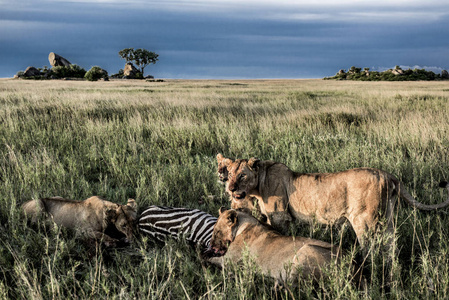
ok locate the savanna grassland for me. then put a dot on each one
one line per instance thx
(157, 143)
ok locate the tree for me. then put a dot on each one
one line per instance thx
(141, 57)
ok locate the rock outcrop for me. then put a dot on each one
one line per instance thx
(444, 74)
(31, 71)
(130, 71)
(397, 72)
(57, 60)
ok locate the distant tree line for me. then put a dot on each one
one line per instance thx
(396, 74)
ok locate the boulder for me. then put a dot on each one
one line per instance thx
(57, 60)
(397, 72)
(130, 71)
(31, 71)
(444, 74)
(341, 72)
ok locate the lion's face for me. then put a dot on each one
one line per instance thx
(121, 221)
(222, 168)
(222, 235)
(242, 177)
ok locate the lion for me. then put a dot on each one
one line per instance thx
(249, 204)
(222, 169)
(94, 217)
(363, 196)
(285, 258)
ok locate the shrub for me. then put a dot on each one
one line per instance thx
(118, 75)
(139, 75)
(76, 71)
(96, 73)
(70, 71)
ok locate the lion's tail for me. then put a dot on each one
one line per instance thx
(413, 202)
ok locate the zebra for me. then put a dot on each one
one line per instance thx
(160, 222)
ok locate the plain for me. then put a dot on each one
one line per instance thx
(157, 142)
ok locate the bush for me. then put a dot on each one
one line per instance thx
(96, 73)
(139, 75)
(118, 75)
(70, 71)
(76, 71)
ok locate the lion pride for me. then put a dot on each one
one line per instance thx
(362, 196)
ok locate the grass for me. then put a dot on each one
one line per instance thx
(157, 142)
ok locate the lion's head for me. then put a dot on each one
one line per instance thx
(224, 232)
(222, 168)
(242, 177)
(120, 220)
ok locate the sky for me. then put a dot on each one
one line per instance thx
(233, 39)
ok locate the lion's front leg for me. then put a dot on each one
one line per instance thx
(280, 221)
(104, 238)
(278, 215)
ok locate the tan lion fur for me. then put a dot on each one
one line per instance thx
(94, 217)
(281, 257)
(363, 196)
(249, 204)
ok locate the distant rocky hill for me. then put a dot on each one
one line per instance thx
(61, 68)
(396, 74)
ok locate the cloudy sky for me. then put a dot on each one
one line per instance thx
(227, 39)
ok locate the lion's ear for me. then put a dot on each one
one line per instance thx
(223, 160)
(132, 204)
(221, 210)
(253, 162)
(227, 162)
(111, 213)
(232, 218)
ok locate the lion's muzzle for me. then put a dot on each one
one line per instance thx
(214, 252)
(239, 196)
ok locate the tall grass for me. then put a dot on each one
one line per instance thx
(157, 142)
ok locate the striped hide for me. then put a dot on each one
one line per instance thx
(160, 222)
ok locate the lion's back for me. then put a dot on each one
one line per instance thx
(66, 212)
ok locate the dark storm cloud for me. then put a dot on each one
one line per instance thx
(232, 39)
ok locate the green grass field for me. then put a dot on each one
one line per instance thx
(157, 143)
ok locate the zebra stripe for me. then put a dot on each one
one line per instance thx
(161, 221)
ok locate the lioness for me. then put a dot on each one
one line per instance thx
(361, 195)
(248, 202)
(281, 257)
(94, 217)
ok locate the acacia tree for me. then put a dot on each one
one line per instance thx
(141, 57)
